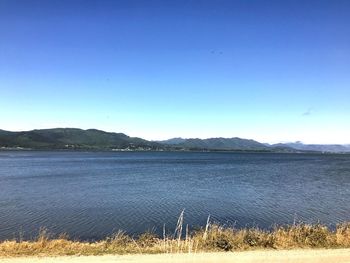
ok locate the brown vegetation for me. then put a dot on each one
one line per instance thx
(209, 239)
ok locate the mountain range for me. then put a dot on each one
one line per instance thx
(92, 139)
(218, 144)
(71, 138)
(335, 148)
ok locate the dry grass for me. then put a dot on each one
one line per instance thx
(211, 238)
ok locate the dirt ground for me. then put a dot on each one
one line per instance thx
(282, 256)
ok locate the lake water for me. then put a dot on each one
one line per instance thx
(90, 195)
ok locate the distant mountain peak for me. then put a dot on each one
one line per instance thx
(173, 141)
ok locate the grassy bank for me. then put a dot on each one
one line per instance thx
(211, 238)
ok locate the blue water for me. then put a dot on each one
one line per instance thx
(90, 195)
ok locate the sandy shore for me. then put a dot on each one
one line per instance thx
(283, 256)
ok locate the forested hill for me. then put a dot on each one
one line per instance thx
(92, 139)
(71, 138)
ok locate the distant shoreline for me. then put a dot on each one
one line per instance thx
(19, 149)
(167, 151)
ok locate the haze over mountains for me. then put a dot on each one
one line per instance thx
(336, 148)
(231, 143)
(92, 139)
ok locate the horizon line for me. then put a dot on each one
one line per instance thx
(179, 137)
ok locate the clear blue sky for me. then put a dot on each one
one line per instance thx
(266, 70)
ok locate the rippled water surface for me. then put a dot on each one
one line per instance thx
(91, 194)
